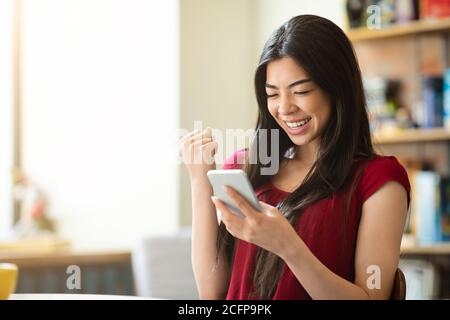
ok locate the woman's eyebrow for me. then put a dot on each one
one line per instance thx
(291, 85)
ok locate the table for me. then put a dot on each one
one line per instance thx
(67, 296)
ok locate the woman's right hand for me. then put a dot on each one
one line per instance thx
(198, 149)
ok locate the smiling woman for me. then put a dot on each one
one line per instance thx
(305, 124)
(332, 212)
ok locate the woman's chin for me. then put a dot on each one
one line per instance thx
(301, 140)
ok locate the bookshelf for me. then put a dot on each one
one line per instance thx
(410, 28)
(407, 53)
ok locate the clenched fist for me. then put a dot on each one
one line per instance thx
(198, 149)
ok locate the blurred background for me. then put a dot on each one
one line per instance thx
(93, 94)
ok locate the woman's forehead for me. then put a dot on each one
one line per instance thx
(284, 71)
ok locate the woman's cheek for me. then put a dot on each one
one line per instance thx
(272, 109)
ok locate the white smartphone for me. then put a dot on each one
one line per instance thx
(238, 180)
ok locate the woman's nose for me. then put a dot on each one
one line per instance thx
(286, 105)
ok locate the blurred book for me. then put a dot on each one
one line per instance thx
(406, 10)
(375, 91)
(355, 10)
(446, 102)
(434, 9)
(387, 9)
(431, 201)
(432, 95)
(412, 166)
(445, 208)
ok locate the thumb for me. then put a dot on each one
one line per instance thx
(213, 148)
(208, 132)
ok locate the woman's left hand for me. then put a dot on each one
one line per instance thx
(268, 229)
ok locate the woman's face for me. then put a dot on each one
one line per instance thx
(298, 105)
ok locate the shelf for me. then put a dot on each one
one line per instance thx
(412, 136)
(410, 28)
(41, 245)
(436, 249)
(65, 258)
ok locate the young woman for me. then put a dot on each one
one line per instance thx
(333, 214)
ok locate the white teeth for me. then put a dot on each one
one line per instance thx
(298, 123)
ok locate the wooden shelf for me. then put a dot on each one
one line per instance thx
(436, 249)
(65, 258)
(42, 245)
(410, 28)
(412, 136)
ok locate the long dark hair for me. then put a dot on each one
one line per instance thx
(322, 49)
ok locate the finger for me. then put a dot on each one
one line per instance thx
(201, 152)
(210, 146)
(205, 147)
(228, 217)
(225, 213)
(194, 146)
(195, 136)
(207, 132)
(201, 141)
(241, 202)
(209, 151)
(189, 135)
(230, 228)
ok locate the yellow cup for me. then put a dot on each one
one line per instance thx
(8, 279)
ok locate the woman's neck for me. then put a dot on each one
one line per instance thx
(307, 154)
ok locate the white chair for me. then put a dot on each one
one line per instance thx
(162, 267)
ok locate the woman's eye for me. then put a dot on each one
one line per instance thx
(302, 92)
(299, 93)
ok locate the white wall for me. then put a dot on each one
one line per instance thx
(100, 90)
(6, 115)
(217, 65)
(271, 14)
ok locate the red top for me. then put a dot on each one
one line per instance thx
(320, 227)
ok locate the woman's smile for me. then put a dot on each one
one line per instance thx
(297, 127)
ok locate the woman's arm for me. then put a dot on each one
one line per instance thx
(198, 149)
(378, 244)
(211, 284)
(378, 247)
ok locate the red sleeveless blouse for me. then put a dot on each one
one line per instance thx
(320, 227)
